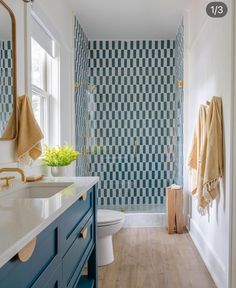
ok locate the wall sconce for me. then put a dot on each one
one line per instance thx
(28, 1)
(181, 84)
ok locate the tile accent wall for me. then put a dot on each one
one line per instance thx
(6, 83)
(81, 97)
(179, 95)
(132, 120)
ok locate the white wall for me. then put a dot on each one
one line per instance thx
(233, 214)
(210, 74)
(5, 27)
(58, 14)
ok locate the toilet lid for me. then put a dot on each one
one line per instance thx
(106, 217)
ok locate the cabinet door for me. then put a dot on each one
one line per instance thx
(70, 221)
(53, 280)
(45, 258)
(77, 255)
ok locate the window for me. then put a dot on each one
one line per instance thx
(41, 93)
(45, 81)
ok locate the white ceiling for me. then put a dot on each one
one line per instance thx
(130, 19)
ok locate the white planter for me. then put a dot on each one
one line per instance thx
(60, 171)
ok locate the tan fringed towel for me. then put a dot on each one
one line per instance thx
(197, 155)
(29, 133)
(214, 150)
(206, 156)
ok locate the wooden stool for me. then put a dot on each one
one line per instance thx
(174, 209)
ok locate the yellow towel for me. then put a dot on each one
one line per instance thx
(214, 151)
(206, 157)
(29, 133)
(197, 155)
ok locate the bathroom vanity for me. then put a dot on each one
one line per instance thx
(55, 221)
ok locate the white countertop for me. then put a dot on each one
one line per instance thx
(23, 219)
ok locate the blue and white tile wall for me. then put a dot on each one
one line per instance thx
(179, 96)
(132, 118)
(6, 97)
(81, 98)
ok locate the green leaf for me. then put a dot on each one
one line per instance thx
(59, 155)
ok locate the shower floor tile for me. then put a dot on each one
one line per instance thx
(154, 208)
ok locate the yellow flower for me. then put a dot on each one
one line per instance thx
(59, 155)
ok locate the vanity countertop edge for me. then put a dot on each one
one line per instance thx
(21, 220)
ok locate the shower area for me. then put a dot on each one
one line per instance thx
(128, 103)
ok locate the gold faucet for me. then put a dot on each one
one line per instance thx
(7, 179)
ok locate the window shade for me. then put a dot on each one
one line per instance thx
(42, 36)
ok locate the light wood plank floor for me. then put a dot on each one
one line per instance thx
(150, 258)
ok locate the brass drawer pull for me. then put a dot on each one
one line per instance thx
(25, 253)
(84, 197)
(84, 233)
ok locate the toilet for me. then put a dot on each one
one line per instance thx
(109, 222)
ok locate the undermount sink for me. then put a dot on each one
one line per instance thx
(45, 190)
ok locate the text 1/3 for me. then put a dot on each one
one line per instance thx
(217, 9)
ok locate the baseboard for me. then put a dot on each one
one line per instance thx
(214, 265)
(145, 220)
(188, 222)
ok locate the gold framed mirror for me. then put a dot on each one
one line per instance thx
(8, 81)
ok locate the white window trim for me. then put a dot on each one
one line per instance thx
(53, 106)
(45, 119)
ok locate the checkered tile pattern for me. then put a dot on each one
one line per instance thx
(132, 116)
(81, 99)
(179, 70)
(6, 82)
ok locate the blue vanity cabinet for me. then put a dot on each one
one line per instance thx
(61, 252)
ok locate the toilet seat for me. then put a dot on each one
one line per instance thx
(109, 217)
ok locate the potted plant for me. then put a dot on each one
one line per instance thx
(58, 158)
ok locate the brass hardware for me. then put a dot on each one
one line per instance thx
(84, 233)
(83, 197)
(7, 180)
(90, 86)
(77, 85)
(17, 170)
(34, 178)
(25, 253)
(181, 84)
